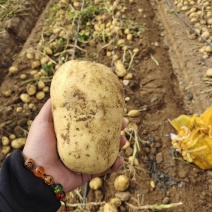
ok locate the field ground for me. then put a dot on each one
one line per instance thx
(168, 79)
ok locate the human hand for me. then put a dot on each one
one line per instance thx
(41, 146)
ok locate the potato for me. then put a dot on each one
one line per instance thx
(109, 208)
(96, 183)
(5, 141)
(87, 103)
(18, 143)
(116, 202)
(121, 183)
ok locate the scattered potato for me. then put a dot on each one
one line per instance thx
(6, 149)
(120, 69)
(95, 183)
(133, 113)
(152, 184)
(92, 98)
(116, 202)
(40, 95)
(35, 64)
(19, 109)
(127, 99)
(128, 76)
(48, 51)
(18, 143)
(46, 89)
(44, 60)
(121, 183)
(7, 93)
(12, 136)
(23, 76)
(13, 70)
(133, 162)
(109, 208)
(5, 141)
(127, 144)
(31, 89)
(30, 55)
(31, 106)
(25, 97)
(209, 72)
(41, 84)
(129, 37)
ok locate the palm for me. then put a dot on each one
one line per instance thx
(41, 147)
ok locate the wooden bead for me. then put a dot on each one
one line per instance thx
(39, 171)
(29, 163)
(48, 179)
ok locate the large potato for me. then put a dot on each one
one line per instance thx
(87, 102)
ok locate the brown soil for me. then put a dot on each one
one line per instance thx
(166, 89)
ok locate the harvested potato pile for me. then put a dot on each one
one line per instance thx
(87, 102)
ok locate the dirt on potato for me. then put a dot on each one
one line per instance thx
(167, 77)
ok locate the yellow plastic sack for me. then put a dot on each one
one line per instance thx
(194, 138)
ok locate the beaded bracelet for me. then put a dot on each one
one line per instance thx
(39, 171)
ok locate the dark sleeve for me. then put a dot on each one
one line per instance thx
(21, 190)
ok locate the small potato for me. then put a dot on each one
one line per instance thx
(6, 149)
(128, 76)
(44, 60)
(19, 109)
(133, 162)
(133, 113)
(35, 64)
(127, 144)
(121, 183)
(12, 136)
(87, 102)
(18, 143)
(5, 141)
(116, 202)
(23, 76)
(31, 89)
(40, 95)
(7, 93)
(120, 69)
(209, 72)
(46, 89)
(95, 183)
(108, 207)
(30, 55)
(48, 51)
(13, 70)
(25, 97)
(41, 84)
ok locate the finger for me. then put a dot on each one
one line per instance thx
(122, 141)
(87, 177)
(124, 124)
(119, 161)
(45, 114)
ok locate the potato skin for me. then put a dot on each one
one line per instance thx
(87, 103)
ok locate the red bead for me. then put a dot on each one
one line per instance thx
(39, 171)
(61, 196)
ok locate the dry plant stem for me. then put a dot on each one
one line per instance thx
(156, 62)
(155, 207)
(106, 45)
(131, 60)
(207, 91)
(81, 204)
(48, 79)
